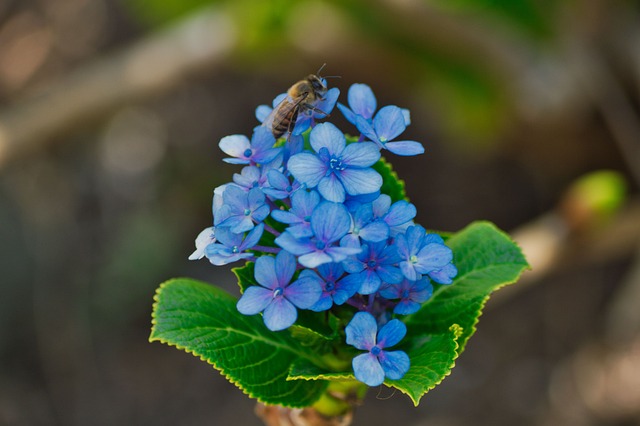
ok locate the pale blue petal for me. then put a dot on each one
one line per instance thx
(369, 282)
(368, 370)
(285, 267)
(330, 221)
(360, 181)
(252, 237)
(432, 257)
(326, 135)
(366, 129)
(330, 187)
(304, 292)
(406, 307)
(395, 364)
(375, 231)
(254, 300)
(381, 205)
(234, 145)
(314, 259)
(307, 168)
(262, 112)
(280, 314)
(391, 333)
(363, 154)
(361, 331)
(400, 212)
(405, 148)
(265, 272)
(294, 245)
(389, 123)
(408, 271)
(362, 100)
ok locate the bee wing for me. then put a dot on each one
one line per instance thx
(282, 112)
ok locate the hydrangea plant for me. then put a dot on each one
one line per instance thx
(340, 289)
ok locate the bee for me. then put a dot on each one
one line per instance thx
(302, 97)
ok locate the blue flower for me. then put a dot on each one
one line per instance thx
(373, 266)
(445, 274)
(398, 216)
(308, 116)
(298, 217)
(329, 223)
(230, 247)
(365, 227)
(259, 151)
(241, 209)
(411, 294)
(372, 367)
(275, 296)
(419, 254)
(281, 187)
(389, 123)
(255, 177)
(335, 288)
(337, 168)
(362, 102)
(204, 238)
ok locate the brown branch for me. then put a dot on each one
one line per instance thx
(151, 65)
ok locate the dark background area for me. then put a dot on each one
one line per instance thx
(110, 116)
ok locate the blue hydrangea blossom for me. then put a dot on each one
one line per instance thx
(275, 295)
(310, 211)
(377, 363)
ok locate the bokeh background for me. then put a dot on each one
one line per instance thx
(110, 115)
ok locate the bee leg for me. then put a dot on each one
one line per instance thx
(318, 111)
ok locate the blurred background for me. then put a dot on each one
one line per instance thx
(110, 116)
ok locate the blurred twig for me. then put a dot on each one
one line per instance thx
(149, 66)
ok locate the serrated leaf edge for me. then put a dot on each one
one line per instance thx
(222, 371)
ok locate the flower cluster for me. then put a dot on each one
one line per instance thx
(308, 210)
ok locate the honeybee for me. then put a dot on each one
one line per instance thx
(301, 98)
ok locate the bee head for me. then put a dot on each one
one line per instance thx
(318, 85)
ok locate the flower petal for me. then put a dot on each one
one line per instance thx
(368, 370)
(389, 123)
(254, 300)
(297, 246)
(361, 331)
(432, 257)
(362, 100)
(331, 189)
(265, 272)
(360, 181)
(304, 292)
(234, 145)
(280, 314)
(330, 221)
(395, 364)
(391, 333)
(307, 168)
(326, 135)
(405, 148)
(363, 154)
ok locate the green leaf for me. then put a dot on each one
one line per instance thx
(392, 185)
(431, 362)
(245, 277)
(487, 259)
(203, 320)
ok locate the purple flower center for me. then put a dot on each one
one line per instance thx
(320, 245)
(289, 188)
(278, 292)
(371, 264)
(330, 286)
(405, 294)
(247, 153)
(307, 218)
(376, 350)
